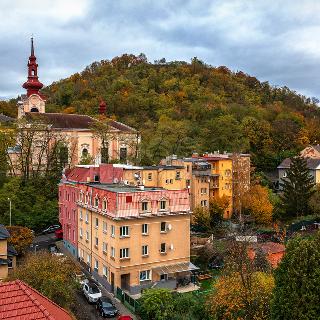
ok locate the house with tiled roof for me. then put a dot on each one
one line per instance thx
(312, 156)
(76, 135)
(18, 301)
(7, 254)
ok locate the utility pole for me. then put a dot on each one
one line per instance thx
(9, 211)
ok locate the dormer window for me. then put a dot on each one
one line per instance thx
(96, 201)
(163, 205)
(144, 206)
(104, 204)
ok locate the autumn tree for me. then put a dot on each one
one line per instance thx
(51, 275)
(298, 188)
(256, 202)
(20, 238)
(297, 291)
(241, 292)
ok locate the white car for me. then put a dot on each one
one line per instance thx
(91, 292)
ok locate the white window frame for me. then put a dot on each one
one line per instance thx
(165, 205)
(105, 272)
(124, 253)
(124, 232)
(165, 226)
(113, 231)
(105, 227)
(81, 216)
(104, 204)
(87, 216)
(105, 247)
(96, 265)
(145, 250)
(87, 236)
(145, 229)
(96, 223)
(145, 275)
(96, 242)
(96, 201)
(80, 233)
(113, 252)
(165, 247)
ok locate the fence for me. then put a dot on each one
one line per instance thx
(128, 301)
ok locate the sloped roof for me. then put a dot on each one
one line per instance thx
(73, 121)
(312, 163)
(4, 234)
(270, 247)
(18, 301)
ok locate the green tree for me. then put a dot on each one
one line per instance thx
(156, 304)
(298, 187)
(51, 275)
(297, 278)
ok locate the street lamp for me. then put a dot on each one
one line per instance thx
(9, 211)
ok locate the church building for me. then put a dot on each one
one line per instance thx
(78, 133)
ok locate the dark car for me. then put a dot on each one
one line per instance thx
(51, 229)
(106, 308)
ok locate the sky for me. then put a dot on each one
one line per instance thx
(276, 41)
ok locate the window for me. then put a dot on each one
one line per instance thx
(104, 247)
(163, 277)
(80, 233)
(81, 214)
(145, 228)
(88, 259)
(149, 176)
(167, 181)
(113, 231)
(123, 154)
(145, 275)
(87, 235)
(227, 173)
(96, 242)
(86, 199)
(105, 271)
(128, 199)
(284, 174)
(96, 202)
(203, 190)
(105, 227)
(87, 217)
(85, 152)
(124, 253)
(171, 181)
(188, 168)
(104, 204)
(113, 252)
(178, 175)
(163, 248)
(96, 178)
(163, 227)
(124, 231)
(204, 203)
(144, 205)
(96, 223)
(163, 205)
(104, 153)
(145, 250)
(96, 265)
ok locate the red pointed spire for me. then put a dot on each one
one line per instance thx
(102, 107)
(33, 85)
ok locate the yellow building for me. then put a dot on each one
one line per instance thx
(135, 237)
(167, 177)
(7, 254)
(208, 177)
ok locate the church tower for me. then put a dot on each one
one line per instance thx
(33, 101)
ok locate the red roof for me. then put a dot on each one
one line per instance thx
(18, 301)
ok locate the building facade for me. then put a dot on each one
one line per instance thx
(79, 137)
(7, 254)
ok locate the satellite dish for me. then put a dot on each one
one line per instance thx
(115, 180)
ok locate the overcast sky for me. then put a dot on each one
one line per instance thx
(276, 41)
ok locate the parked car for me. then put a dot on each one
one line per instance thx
(91, 292)
(81, 278)
(59, 233)
(106, 308)
(124, 317)
(51, 229)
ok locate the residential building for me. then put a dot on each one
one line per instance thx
(167, 177)
(134, 237)
(19, 301)
(77, 137)
(7, 254)
(312, 156)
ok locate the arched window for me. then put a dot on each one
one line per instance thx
(34, 109)
(85, 152)
(104, 205)
(96, 201)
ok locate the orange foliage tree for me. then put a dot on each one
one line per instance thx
(20, 237)
(256, 202)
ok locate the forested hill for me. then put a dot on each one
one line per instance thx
(182, 107)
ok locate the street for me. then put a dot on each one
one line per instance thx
(81, 308)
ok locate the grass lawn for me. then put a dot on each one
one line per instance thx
(209, 283)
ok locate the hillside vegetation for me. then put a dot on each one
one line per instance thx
(184, 107)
